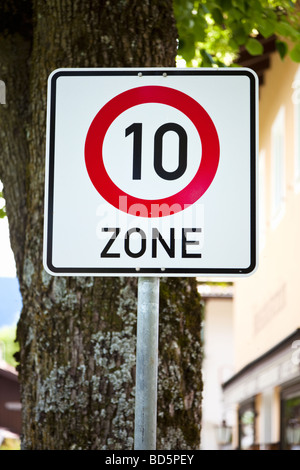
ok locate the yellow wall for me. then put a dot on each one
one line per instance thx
(276, 415)
(267, 304)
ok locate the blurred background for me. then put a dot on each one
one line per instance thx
(10, 307)
(252, 325)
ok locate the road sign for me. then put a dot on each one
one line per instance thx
(151, 172)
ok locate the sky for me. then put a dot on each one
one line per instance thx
(10, 298)
(7, 262)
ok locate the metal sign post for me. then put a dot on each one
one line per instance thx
(146, 364)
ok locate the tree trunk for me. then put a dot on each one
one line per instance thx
(77, 335)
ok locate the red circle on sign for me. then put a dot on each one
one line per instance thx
(168, 205)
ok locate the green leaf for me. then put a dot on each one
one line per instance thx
(207, 60)
(239, 35)
(186, 47)
(225, 4)
(200, 28)
(233, 45)
(235, 13)
(203, 9)
(257, 5)
(270, 14)
(286, 30)
(240, 4)
(217, 16)
(295, 53)
(254, 47)
(265, 27)
(282, 48)
(2, 209)
(248, 26)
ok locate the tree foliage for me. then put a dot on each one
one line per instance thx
(211, 32)
(2, 206)
(9, 344)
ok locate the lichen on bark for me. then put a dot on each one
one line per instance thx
(180, 384)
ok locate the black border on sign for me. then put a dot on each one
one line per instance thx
(150, 271)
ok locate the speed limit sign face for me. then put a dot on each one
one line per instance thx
(151, 172)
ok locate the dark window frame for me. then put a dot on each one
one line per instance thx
(245, 406)
(292, 390)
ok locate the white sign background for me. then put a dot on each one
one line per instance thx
(76, 214)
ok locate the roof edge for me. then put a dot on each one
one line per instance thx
(275, 349)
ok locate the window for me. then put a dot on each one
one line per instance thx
(262, 200)
(247, 426)
(278, 169)
(296, 101)
(290, 412)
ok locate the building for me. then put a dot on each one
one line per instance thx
(10, 406)
(264, 392)
(218, 361)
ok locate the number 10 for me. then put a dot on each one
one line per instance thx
(136, 129)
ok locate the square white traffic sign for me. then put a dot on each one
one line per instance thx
(151, 172)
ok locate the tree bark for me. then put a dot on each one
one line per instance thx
(77, 334)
